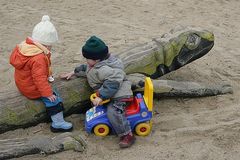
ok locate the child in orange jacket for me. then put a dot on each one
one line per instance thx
(31, 60)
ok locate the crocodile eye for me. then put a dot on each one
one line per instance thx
(193, 41)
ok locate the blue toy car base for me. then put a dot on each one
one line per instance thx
(138, 113)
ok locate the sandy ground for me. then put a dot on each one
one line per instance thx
(184, 128)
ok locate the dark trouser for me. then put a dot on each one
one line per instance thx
(116, 116)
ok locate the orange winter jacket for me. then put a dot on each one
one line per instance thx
(31, 69)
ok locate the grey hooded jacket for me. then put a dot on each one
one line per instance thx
(107, 78)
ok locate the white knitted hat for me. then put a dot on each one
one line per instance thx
(45, 32)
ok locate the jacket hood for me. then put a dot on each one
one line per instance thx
(112, 62)
(23, 52)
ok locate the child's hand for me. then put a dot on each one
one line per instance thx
(97, 101)
(67, 76)
(52, 98)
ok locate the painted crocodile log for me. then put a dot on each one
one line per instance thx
(155, 58)
(169, 52)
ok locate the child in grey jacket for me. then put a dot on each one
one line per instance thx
(105, 75)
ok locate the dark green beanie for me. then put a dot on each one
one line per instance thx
(95, 49)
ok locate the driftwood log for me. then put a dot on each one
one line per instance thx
(156, 58)
(13, 148)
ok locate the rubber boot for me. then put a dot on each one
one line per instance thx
(59, 124)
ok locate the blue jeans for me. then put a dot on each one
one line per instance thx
(116, 116)
(53, 107)
(48, 103)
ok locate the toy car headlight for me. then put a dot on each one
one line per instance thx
(144, 114)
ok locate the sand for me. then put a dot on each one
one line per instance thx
(184, 128)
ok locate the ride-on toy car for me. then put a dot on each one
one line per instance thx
(139, 114)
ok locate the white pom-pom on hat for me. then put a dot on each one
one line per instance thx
(45, 18)
(45, 32)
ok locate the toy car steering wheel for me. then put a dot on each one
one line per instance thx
(94, 95)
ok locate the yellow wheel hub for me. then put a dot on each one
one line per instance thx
(101, 130)
(143, 129)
